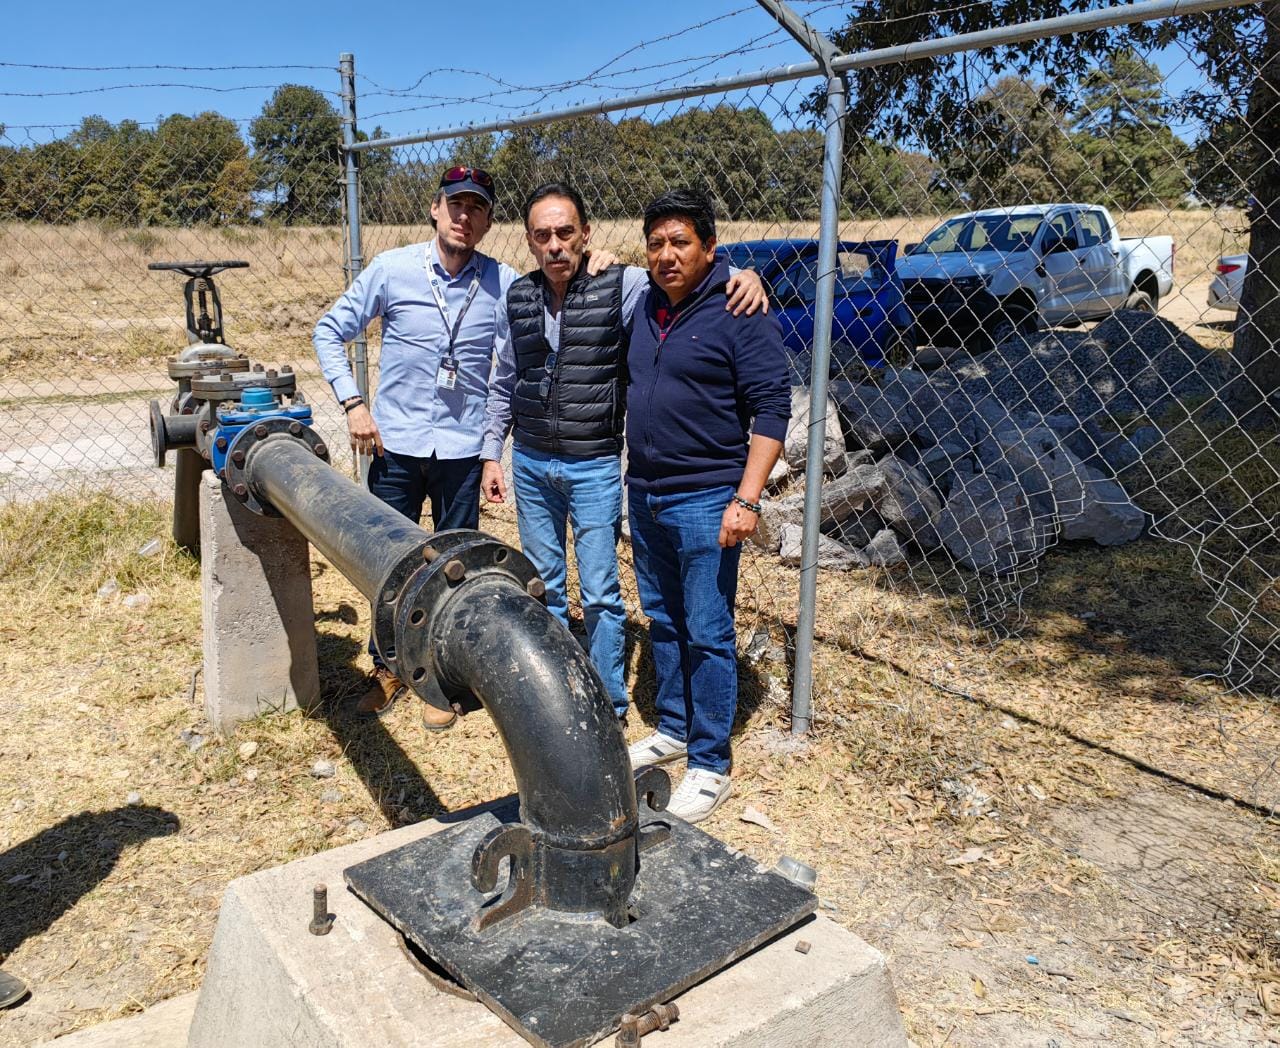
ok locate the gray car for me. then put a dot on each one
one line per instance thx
(1228, 283)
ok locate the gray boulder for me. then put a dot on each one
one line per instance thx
(857, 529)
(884, 550)
(796, 446)
(908, 502)
(841, 497)
(1107, 515)
(1049, 474)
(988, 525)
(876, 417)
(831, 554)
(775, 514)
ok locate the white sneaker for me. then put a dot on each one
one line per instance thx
(656, 749)
(699, 794)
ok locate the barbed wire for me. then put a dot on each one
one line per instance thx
(168, 87)
(170, 68)
(706, 61)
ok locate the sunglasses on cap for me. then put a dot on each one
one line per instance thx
(462, 174)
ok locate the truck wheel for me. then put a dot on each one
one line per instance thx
(901, 350)
(1014, 321)
(1142, 302)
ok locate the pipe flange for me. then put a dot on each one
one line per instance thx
(384, 609)
(159, 443)
(242, 447)
(228, 385)
(427, 593)
(206, 361)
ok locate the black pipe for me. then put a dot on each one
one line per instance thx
(464, 623)
(577, 790)
(188, 467)
(361, 535)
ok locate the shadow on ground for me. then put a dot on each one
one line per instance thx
(391, 777)
(46, 875)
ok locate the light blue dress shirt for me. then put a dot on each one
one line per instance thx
(413, 414)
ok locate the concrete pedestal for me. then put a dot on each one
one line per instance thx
(259, 621)
(271, 984)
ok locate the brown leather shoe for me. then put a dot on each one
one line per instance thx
(437, 720)
(384, 689)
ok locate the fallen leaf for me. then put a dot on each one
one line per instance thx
(757, 818)
(979, 988)
(1269, 995)
(966, 857)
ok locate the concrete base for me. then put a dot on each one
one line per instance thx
(163, 1025)
(271, 984)
(259, 622)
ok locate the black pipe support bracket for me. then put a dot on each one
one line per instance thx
(249, 440)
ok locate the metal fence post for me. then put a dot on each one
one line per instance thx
(824, 305)
(823, 311)
(355, 254)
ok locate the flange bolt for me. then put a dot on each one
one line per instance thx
(455, 571)
(321, 918)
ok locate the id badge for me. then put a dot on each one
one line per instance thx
(447, 376)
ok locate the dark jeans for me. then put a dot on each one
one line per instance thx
(688, 584)
(406, 482)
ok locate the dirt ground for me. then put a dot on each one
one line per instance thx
(1065, 837)
(1039, 845)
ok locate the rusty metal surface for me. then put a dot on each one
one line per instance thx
(564, 982)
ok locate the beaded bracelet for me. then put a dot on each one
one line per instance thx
(753, 506)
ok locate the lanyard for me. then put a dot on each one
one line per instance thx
(443, 306)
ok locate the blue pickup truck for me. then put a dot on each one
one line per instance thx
(871, 323)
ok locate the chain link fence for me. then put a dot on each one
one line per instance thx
(1043, 459)
(1039, 446)
(85, 328)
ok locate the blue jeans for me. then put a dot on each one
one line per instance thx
(552, 491)
(407, 482)
(688, 585)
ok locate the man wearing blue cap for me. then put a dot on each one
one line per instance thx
(438, 302)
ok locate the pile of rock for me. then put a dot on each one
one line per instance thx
(991, 459)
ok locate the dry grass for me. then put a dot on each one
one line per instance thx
(952, 834)
(86, 304)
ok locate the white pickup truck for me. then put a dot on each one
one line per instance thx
(980, 275)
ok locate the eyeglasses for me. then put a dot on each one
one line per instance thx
(462, 174)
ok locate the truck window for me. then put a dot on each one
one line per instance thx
(798, 282)
(1094, 229)
(1061, 227)
(1013, 234)
(856, 272)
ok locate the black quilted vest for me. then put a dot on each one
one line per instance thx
(582, 411)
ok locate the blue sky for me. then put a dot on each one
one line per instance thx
(430, 44)
(394, 45)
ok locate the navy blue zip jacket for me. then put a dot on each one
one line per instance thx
(691, 398)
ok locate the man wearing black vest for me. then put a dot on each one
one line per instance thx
(557, 387)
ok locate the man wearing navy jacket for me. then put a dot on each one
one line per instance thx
(707, 408)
